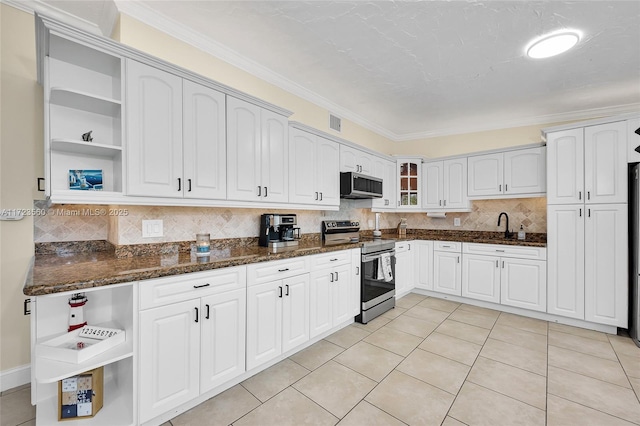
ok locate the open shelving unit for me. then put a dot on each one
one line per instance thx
(83, 92)
(110, 306)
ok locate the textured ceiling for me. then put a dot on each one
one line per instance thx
(411, 69)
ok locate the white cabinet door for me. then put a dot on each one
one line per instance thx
(222, 342)
(341, 305)
(275, 157)
(524, 283)
(565, 167)
(320, 301)
(328, 172)
(264, 323)
(455, 184)
(605, 163)
(302, 167)
(348, 159)
(565, 260)
(447, 273)
(633, 140)
(433, 183)
(485, 174)
(366, 163)
(404, 269)
(409, 184)
(170, 348)
(154, 131)
(525, 171)
(423, 262)
(606, 267)
(356, 283)
(481, 277)
(295, 311)
(385, 170)
(243, 150)
(204, 142)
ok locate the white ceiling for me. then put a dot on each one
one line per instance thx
(417, 69)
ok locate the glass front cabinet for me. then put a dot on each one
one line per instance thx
(409, 181)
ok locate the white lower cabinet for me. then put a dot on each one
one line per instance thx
(523, 284)
(332, 290)
(481, 277)
(423, 261)
(404, 268)
(588, 255)
(277, 318)
(447, 267)
(505, 274)
(356, 285)
(191, 346)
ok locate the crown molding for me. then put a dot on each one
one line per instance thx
(148, 16)
(522, 122)
(37, 6)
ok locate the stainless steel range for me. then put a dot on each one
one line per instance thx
(378, 267)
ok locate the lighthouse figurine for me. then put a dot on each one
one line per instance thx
(76, 311)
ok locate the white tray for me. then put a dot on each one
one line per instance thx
(64, 348)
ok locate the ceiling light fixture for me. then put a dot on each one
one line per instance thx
(553, 43)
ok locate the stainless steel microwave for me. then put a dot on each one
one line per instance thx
(357, 186)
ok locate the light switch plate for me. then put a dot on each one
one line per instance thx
(456, 221)
(152, 228)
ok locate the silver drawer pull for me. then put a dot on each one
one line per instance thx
(201, 285)
(501, 251)
(446, 246)
(283, 270)
(332, 260)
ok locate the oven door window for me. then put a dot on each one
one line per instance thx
(372, 286)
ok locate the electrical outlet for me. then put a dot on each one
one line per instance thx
(456, 221)
(152, 228)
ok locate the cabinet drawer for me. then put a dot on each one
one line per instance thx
(403, 246)
(521, 252)
(330, 259)
(451, 246)
(276, 270)
(164, 291)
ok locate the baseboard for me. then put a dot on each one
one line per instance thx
(14, 377)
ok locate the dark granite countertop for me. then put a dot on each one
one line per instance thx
(69, 270)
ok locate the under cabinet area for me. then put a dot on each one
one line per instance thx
(111, 307)
(192, 337)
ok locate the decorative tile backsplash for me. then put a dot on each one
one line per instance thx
(84, 222)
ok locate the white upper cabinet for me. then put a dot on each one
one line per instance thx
(512, 173)
(409, 172)
(354, 160)
(257, 153)
(605, 163)
(176, 136)
(445, 185)
(633, 140)
(587, 165)
(204, 143)
(313, 169)
(154, 131)
(385, 170)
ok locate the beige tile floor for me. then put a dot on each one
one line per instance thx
(430, 362)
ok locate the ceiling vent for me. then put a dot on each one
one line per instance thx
(335, 123)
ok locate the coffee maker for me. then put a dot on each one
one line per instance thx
(278, 230)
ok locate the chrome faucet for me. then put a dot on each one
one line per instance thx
(507, 234)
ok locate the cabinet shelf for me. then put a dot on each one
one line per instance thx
(85, 101)
(117, 409)
(50, 370)
(87, 148)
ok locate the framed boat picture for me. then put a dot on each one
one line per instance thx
(85, 180)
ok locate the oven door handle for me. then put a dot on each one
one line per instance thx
(372, 257)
